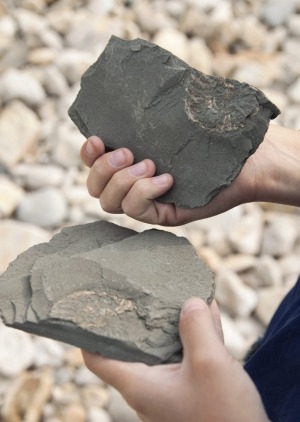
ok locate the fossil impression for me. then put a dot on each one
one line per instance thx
(199, 128)
(106, 289)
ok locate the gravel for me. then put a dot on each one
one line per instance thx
(45, 46)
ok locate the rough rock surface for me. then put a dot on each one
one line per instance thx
(199, 128)
(106, 289)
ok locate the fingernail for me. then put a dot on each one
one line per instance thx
(161, 180)
(191, 305)
(117, 158)
(90, 150)
(138, 169)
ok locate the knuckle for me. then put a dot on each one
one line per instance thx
(119, 181)
(127, 207)
(98, 167)
(141, 189)
(106, 205)
(93, 190)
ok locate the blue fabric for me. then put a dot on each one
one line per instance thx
(275, 365)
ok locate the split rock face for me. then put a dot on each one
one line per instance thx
(199, 128)
(106, 289)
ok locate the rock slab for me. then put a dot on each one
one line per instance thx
(199, 128)
(106, 289)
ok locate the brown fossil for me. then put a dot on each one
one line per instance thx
(199, 128)
(106, 289)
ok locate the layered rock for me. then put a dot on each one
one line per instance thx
(107, 289)
(199, 128)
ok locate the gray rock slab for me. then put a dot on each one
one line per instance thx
(107, 289)
(16, 283)
(199, 128)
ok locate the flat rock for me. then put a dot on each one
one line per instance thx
(199, 128)
(107, 289)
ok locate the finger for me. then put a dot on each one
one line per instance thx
(215, 312)
(105, 167)
(123, 376)
(121, 182)
(92, 149)
(198, 333)
(140, 202)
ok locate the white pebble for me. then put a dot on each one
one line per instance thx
(45, 207)
(16, 351)
(20, 84)
(10, 196)
(237, 298)
(95, 414)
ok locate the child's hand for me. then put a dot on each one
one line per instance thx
(270, 175)
(132, 189)
(208, 386)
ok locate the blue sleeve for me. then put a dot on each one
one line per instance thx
(275, 365)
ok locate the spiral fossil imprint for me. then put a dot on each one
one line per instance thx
(199, 128)
(219, 105)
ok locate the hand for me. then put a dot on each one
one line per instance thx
(271, 174)
(208, 386)
(132, 189)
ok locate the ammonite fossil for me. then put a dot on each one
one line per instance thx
(199, 128)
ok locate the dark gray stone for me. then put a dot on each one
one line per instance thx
(106, 289)
(199, 128)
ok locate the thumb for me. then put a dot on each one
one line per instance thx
(197, 329)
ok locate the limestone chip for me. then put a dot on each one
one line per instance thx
(231, 293)
(21, 85)
(10, 196)
(19, 132)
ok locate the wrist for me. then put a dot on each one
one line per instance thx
(277, 167)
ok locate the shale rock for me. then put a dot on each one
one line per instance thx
(199, 128)
(106, 289)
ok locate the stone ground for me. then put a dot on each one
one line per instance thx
(45, 45)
